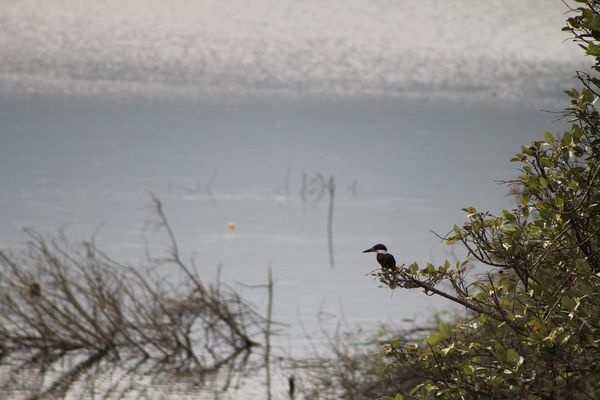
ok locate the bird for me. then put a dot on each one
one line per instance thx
(385, 259)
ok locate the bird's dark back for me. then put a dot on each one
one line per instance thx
(386, 260)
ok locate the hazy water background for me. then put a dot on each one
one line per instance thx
(415, 107)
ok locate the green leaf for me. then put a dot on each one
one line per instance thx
(445, 267)
(582, 266)
(567, 302)
(572, 93)
(526, 150)
(468, 369)
(574, 185)
(536, 323)
(546, 162)
(512, 356)
(396, 397)
(508, 215)
(452, 240)
(577, 133)
(559, 201)
(482, 318)
(440, 335)
(470, 211)
(548, 137)
(567, 139)
(586, 95)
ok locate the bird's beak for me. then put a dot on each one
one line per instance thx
(368, 250)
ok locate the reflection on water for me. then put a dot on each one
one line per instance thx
(247, 383)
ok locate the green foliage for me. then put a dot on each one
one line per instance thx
(532, 330)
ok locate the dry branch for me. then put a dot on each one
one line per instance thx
(70, 308)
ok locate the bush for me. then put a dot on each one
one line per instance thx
(531, 329)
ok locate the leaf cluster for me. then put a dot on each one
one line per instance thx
(531, 330)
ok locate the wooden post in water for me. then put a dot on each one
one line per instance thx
(331, 191)
(268, 334)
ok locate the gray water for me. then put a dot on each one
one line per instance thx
(88, 166)
(220, 108)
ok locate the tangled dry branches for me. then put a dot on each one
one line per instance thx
(70, 308)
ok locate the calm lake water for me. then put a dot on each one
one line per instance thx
(88, 166)
(223, 110)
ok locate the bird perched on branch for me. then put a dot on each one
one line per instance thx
(385, 259)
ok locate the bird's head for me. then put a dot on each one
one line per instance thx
(378, 248)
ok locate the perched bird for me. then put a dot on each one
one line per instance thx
(385, 259)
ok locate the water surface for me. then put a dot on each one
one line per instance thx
(222, 109)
